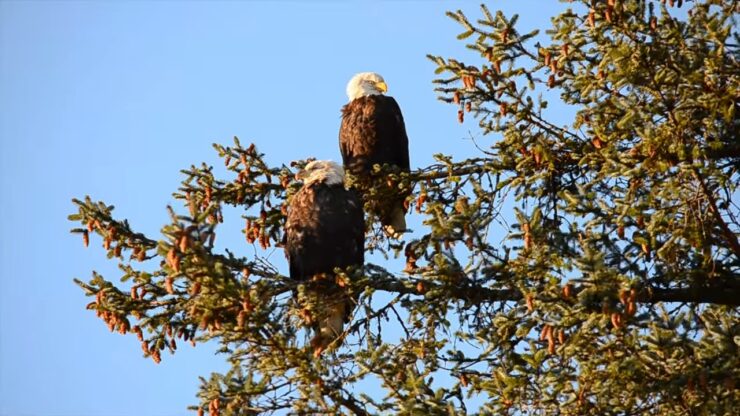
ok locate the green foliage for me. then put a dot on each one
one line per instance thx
(615, 290)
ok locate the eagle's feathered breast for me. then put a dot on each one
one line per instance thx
(324, 230)
(373, 131)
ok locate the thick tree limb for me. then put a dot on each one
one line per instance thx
(728, 294)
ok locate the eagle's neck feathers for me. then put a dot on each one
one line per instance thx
(328, 177)
(361, 90)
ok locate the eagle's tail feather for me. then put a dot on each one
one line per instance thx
(396, 224)
(329, 327)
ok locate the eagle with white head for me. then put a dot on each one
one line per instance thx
(325, 229)
(373, 132)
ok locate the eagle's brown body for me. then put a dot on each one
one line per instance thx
(324, 230)
(373, 132)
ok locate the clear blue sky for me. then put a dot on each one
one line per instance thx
(112, 99)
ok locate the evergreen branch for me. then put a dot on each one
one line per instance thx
(441, 171)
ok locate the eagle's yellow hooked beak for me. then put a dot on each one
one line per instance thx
(381, 86)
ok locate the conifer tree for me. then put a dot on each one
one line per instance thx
(615, 290)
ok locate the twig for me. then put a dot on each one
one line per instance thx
(727, 233)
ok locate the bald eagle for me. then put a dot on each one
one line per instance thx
(373, 132)
(325, 229)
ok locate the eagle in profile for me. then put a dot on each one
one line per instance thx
(325, 229)
(373, 132)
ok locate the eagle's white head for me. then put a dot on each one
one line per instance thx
(326, 171)
(364, 84)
